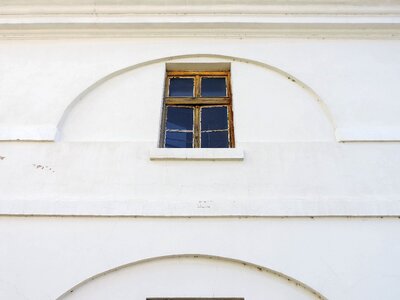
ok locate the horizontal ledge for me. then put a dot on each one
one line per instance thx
(213, 154)
(193, 29)
(119, 24)
(195, 7)
(172, 19)
(343, 134)
(278, 207)
(28, 133)
(363, 134)
(137, 34)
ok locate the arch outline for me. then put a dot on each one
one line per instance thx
(116, 73)
(196, 256)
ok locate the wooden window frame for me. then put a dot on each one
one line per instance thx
(197, 102)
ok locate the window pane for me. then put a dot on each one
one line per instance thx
(213, 118)
(175, 139)
(213, 87)
(181, 87)
(179, 118)
(214, 139)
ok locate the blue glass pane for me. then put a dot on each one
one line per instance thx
(179, 118)
(213, 118)
(178, 139)
(213, 87)
(216, 139)
(181, 87)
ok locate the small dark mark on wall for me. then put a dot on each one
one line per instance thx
(204, 204)
(43, 167)
(2, 157)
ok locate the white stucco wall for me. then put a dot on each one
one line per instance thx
(267, 105)
(341, 258)
(284, 123)
(306, 206)
(38, 71)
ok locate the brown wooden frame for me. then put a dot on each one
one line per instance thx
(197, 102)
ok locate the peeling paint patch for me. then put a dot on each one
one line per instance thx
(43, 167)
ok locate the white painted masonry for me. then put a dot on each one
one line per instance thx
(306, 206)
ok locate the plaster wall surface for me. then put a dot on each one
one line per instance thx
(44, 257)
(80, 117)
(355, 78)
(274, 179)
(100, 163)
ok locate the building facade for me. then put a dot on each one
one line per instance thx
(302, 200)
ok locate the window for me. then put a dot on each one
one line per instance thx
(197, 110)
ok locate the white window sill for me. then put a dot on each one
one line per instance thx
(226, 154)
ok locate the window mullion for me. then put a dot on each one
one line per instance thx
(196, 127)
(200, 101)
(197, 86)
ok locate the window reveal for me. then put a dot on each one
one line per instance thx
(197, 111)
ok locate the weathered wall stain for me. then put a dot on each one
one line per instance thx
(43, 167)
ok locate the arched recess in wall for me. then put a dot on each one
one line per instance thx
(191, 275)
(287, 97)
